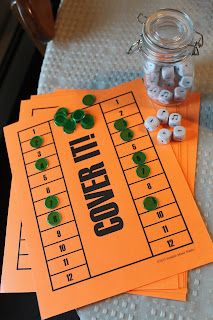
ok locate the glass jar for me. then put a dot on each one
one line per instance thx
(168, 42)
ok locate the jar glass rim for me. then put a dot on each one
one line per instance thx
(168, 35)
(169, 29)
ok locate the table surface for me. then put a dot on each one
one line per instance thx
(89, 51)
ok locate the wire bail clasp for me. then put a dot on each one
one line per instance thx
(198, 44)
(137, 46)
(141, 18)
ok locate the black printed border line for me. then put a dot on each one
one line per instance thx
(19, 254)
(122, 170)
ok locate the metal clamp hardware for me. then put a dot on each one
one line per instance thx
(140, 16)
(135, 47)
(198, 44)
(200, 41)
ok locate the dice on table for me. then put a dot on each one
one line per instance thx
(180, 93)
(151, 123)
(168, 73)
(184, 69)
(164, 136)
(165, 96)
(179, 133)
(153, 91)
(186, 82)
(175, 119)
(163, 115)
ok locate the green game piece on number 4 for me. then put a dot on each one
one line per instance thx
(41, 164)
(51, 202)
(36, 141)
(127, 134)
(150, 203)
(54, 218)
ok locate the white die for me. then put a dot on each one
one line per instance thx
(175, 119)
(179, 133)
(165, 96)
(151, 123)
(153, 91)
(151, 67)
(186, 82)
(163, 115)
(164, 136)
(152, 79)
(184, 69)
(168, 73)
(180, 93)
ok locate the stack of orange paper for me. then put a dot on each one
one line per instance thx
(106, 243)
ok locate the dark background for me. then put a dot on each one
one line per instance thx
(20, 64)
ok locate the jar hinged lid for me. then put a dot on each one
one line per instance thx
(168, 35)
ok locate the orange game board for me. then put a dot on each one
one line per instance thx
(86, 256)
(19, 280)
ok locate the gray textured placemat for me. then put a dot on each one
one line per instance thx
(89, 52)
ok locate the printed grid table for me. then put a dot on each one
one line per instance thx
(157, 232)
(64, 238)
(165, 228)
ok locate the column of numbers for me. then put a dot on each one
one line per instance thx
(64, 254)
(165, 228)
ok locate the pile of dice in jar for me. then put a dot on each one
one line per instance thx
(168, 84)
